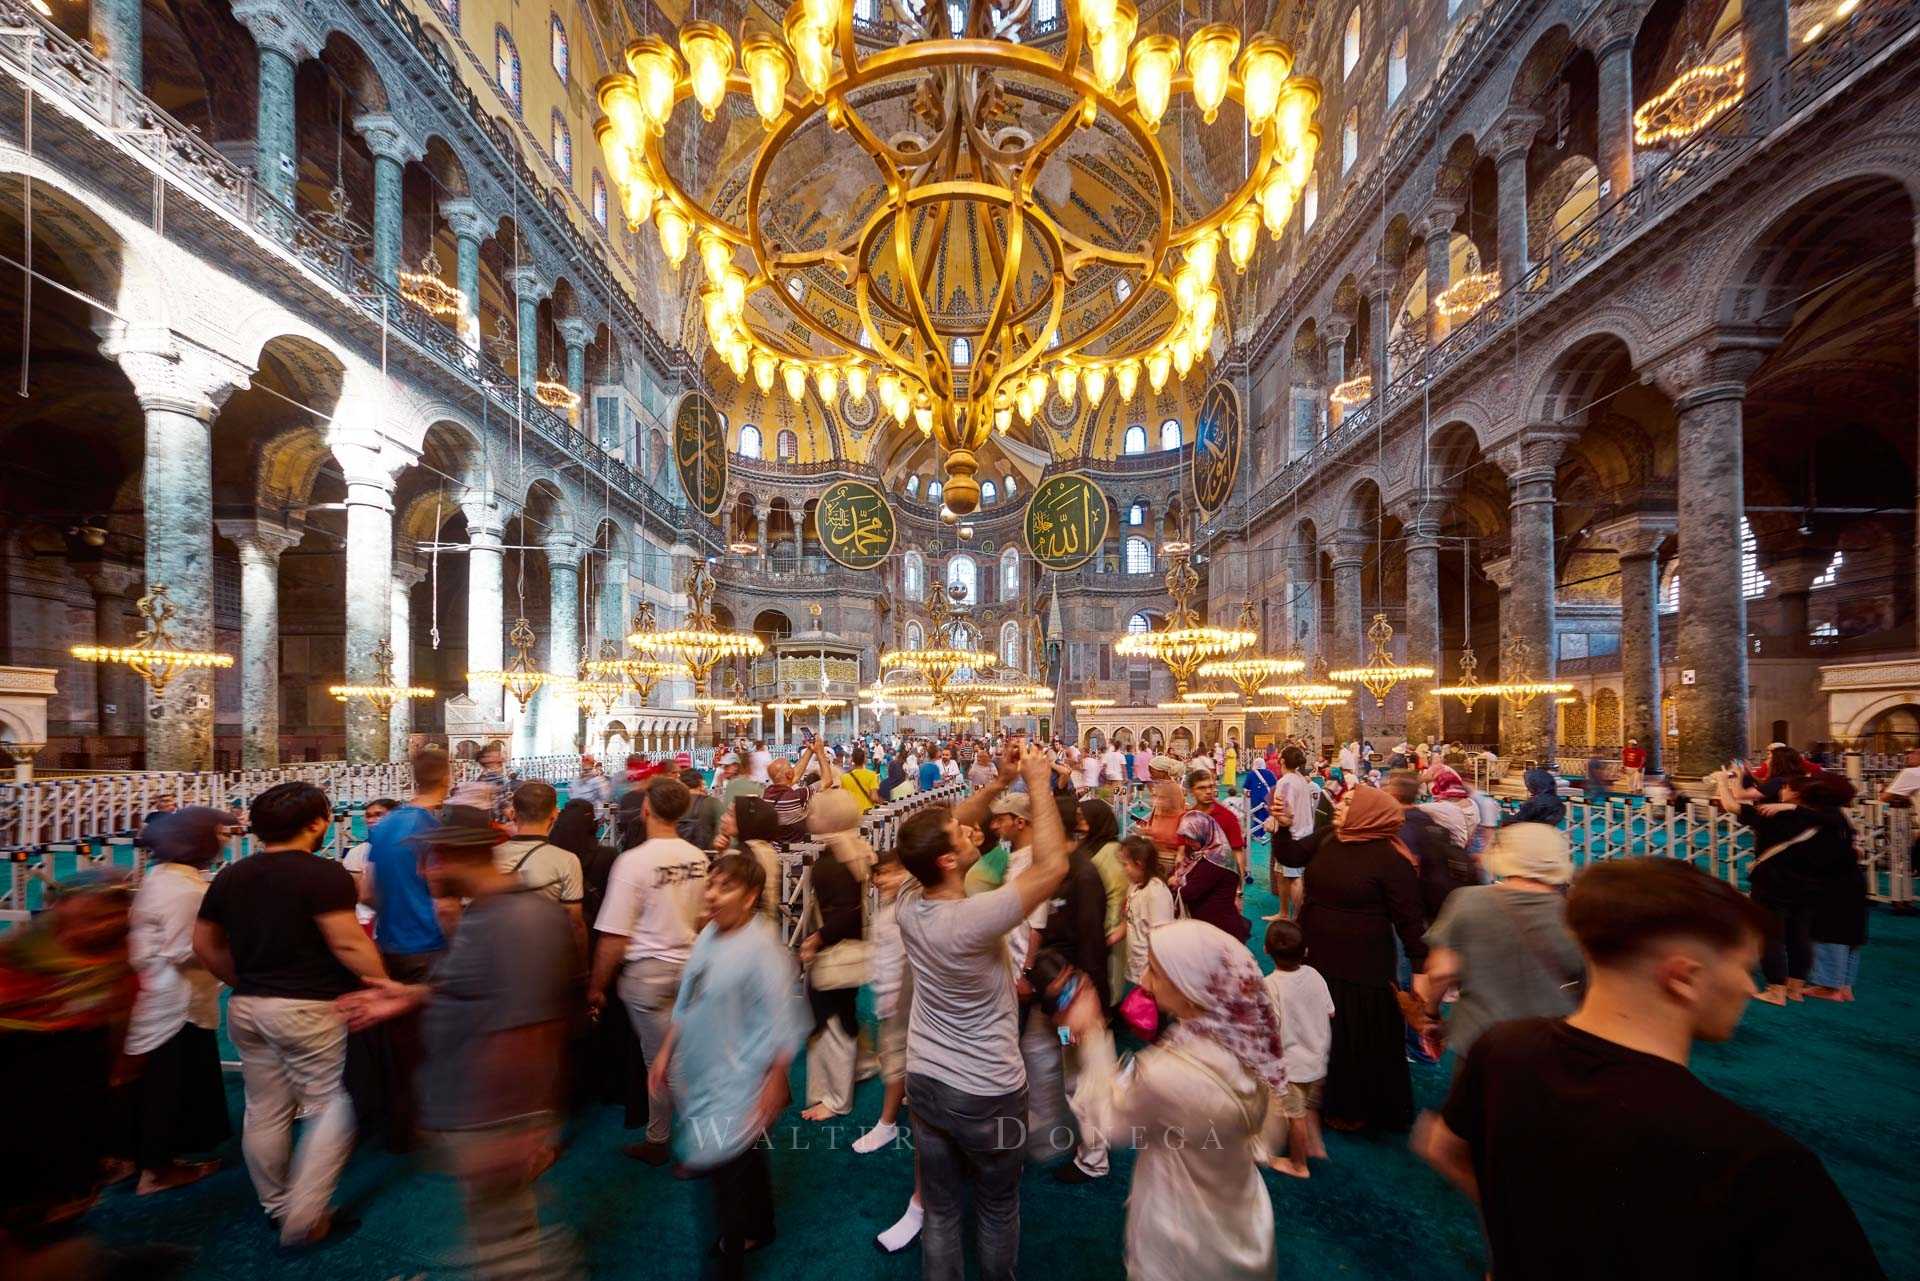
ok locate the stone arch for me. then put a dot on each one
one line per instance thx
(544, 508)
(1360, 505)
(110, 259)
(354, 68)
(1573, 376)
(1543, 63)
(1805, 234)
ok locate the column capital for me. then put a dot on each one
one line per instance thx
(1380, 280)
(1439, 216)
(182, 380)
(257, 540)
(407, 574)
(487, 519)
(1714, 369)
(565, 549)
(280, 25)
(1336, 327)
(1349, 549)
(467, 220)
(387, 138)
(1513, 132)
(1610, 27)
(577, 331)
(369, 469)
(529, 284)
(1636, 536)
(106, 578)
(1498, 571)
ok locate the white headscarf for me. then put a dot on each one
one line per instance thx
(1213, 970)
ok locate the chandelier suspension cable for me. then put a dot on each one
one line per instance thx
(433, 570)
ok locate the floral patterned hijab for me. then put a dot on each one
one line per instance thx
(1215, 971)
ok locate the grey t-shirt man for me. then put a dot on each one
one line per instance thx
(1517, 960)
(510, 966)
(964, 1029)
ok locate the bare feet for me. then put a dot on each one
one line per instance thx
(818, 1112)
(1288, 1166)
(1796, 989)
(1772, 995)
(1828, 994)
(177, 1175)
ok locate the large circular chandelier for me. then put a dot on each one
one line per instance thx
(701, 643)
(1187, 640)
(944, 656)
(846, 306)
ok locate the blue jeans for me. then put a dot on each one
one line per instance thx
(968, 1140)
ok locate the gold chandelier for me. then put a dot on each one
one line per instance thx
(596, 693)
(1468, 294)
(425, 289)
(1317, 697)
(1090, 703)
(1187, 640)
(1381, 673)
(1253, 675)
(382, 693)
(1468, 688)
(553, 392)
(521, 677)
(1209, 698)
(1696, 98)
(944, 657)
(1518, 686)
(641, 673)
(960, 147)
(702, 642)
(1357, 390)
(152, 655)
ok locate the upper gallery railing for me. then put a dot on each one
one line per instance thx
(1669, 182)
(67, 75)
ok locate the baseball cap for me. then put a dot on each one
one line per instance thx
(728, 758)
(1018, 804)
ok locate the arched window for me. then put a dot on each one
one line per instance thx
(1170, 434)
(988, 494)
(964, 574)
(1137, 514)
(1350, 139)
(749, 441)
(1350, 44)
(562, 146)
(1139, 623)
(1008, 487)
(1046, 13)
(913, 487)
(1397, 67)
(1135, 441)
(562, 60)
(1139, 556)
(957, 15)
(1310, 206)
(1009, 573)
(1831, 574)
(934, 490)
(599, 198)
(506, 66)
(866, 10)
(1010, 644)
(962, 352)
(1122, 289)
(915, 637)
(797, 288)
(786, 446)
(913, 576)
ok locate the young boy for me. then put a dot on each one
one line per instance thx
(1305, 1007)
(737, 1022)
(885, 974)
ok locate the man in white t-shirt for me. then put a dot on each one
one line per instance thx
(542, 866)
(1292, 803)
(655, 897)
(1092, 767)
(1905, 785)
(355, 860)
(758, 762)
(1113, 766)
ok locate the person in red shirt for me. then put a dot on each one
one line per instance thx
(1633, 764)
(1205, 790)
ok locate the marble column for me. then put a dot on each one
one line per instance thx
(1436, 224)
(1712, 697)
(611, 616)
(1349, 629)
(1612, 39)
(470, 226)
(486, 626)
(1379, 324)
(406, 577)
(528, 289)
(1636, 540)
(1335, 331)
(559, 714)
(1766, 44)
(1303, 631)
(113, 697)
(179, 394)
(1423, 625)
(1512, 138)
(391, 148)
(369, 580)
(260, 544)
(1499, 572)
(576, 333)
(1528, 610)
(113, 27)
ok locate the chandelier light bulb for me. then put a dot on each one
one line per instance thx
(1264, 67)
(1002, 418)
(1096, 382)
(1097, 15)
(1210, 52)
(1300, 159)
(1126, 377)
(674, 229)
(656, 74)
(1205, 310)
(821, 14)
(1065, 379)
(1202, 255)
(857, 381)
(1110, 43)
(923, 416)
(1186, 288)
(764, 367)
(768, 70)
(1153, 62)
(736, 358)
(827, 379)
(901, 408)
(1294, 114)
(1024, 401)
(1182, 355)
(812, 45)
(794, 374)
(715, 256)
(709, 55)
(1276, 202)
(1157, 365)
(622, 105)
(637, 198)
(1243, 232)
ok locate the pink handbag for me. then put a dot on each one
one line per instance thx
(1141, 1013)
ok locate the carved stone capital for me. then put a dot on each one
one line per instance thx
(467, 220)
(1439, 216)
(1635, 536)
(387, 138)
(1349, 548)
(1513, 133)
(183, 380)
(1498, 571)
(281, 26)
(529, 283)
(487, 519)
(565, 549)
(107, 579)
(407, 574)
(258, 541)
(1714, 368)
(1610, 27)
(577, 331)
(1335, 328)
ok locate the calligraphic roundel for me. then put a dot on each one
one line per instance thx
(1066, 522)
(1216, 449)
(700, 453)
(854, 523)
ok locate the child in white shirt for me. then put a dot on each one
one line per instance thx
(1305, 1009)
(886, 975)
(1149, 902)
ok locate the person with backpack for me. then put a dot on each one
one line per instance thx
(542, 866)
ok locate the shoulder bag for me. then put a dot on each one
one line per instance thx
(844, 964)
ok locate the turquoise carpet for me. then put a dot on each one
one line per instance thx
(1841, 1078)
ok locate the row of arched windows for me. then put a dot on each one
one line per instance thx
(1135, 439)
(786, 445)
(962, 571)
(990, 493)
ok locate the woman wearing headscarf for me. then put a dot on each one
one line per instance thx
(1452, 805)
(1361, 889)
(179, 1102)
(1193, 1103)
(1506, 945)
(891, 786)
(66, 990)
(1543, 803)
(577, 830)
(1207, 877)
(1162, 824)
(839, 884)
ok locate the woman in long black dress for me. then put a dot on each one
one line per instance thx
(1362, 888)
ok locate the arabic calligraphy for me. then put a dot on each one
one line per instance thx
(700, 452)
(1216, 449)
(855, 524)
(1066, 522)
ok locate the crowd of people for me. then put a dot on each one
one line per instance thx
(1046, 990)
